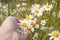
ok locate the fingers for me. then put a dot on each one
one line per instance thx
(8, 26)
(23, 36)
(10, 23)
(15, 36)
(17, 19)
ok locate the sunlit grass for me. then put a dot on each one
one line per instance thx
(52, 16)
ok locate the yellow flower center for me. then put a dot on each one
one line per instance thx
(27, 18)
(47, 6)
(55, 34)
(24, 24)
(29, 28)
(36, 11)
(33, 23)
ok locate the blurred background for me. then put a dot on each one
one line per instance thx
(16, 7)
(21, 8)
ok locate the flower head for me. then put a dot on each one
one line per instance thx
(36, 10)
(36, 6)
(25, 23)
(18, 5)
(48, 7)
(30, 29)
(54, 35)
(29, 17)
(43, 22)
(35, 36)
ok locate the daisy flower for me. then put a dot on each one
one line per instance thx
(34, 23)
(54, 35)
(24, 30)
(43, 22)
(36, 12)
(35, 36)
(18, 5)
(30, 29)
(43, 28)
(29, 17)
(25, 23)
(53, 1)
(36, 6)
(24, 4)
(36, 26)
(48, 7)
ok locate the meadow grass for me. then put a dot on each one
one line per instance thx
(52, 20)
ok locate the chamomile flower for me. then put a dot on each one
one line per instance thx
(29, 17)
(24, 4)
(43, 22)
(18, 5)
(36, 6)
(36, 26)
(30, 29)
(25, 23)
(24, 31)
(43, 28)
(36, 12)
(35, 36)
(26, 26)
(33, 23)
(48, 7)
(54, 35)
(53, 1)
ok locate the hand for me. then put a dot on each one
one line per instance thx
(8, 30)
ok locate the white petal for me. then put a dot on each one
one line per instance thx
(38, 15)
(59, 36)
(31, 16)
(51, 37)
(56, 38)
(42, 9)
(32, 30)
(37, 26)
(50, 34)
(43, 28)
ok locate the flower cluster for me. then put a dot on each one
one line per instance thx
(30, 22)
(37, 20)
(36, 9)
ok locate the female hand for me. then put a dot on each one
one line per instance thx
(8, 30)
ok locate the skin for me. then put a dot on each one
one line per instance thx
(8, 30)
